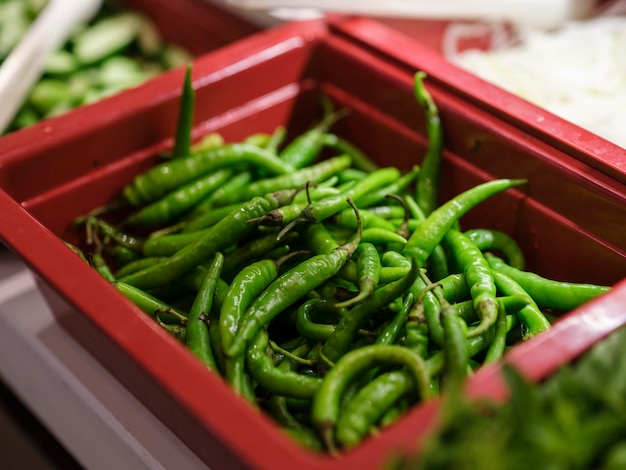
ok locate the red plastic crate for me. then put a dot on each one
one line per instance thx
(567, 219)
(420, 42)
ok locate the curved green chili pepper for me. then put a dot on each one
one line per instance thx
(489, 239)
(427, 189)
(455, 347)
(326, 402)
(307, 327)
(339, 342)
(430, 232)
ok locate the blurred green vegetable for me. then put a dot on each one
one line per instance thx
(575, 419)
(117, 50)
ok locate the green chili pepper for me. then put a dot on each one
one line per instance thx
(495, 240)
(148, 303)
(368, 268)
(307, 327)
(197, 336)
(289, 288)
(531, 317)
(437, 261)
(182, 137)
(171, 174)
(275, 380)
(498, 344)
(479, 277)
(548, 293)
(427, 189)
(100, 265)
(361, 414)
(184, 260)
(339, 342)
(378, 236)
(430, 232)
(326, 402)
(310, 174)
(318, 239)
(391, 332)
(178, 202)
(244, 288)
(455, 347)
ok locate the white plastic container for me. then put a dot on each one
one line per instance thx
(539, 13)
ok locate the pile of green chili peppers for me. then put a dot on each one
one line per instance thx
(329, 292)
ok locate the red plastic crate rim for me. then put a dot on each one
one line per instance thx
(253, 85)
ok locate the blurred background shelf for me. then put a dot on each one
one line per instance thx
(59, 408)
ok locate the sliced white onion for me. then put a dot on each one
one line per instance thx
(577, 72)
